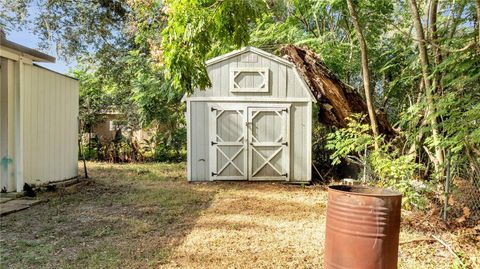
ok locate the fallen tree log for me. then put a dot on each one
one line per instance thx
(336, 99)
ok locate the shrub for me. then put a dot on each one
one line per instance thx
(386, 165)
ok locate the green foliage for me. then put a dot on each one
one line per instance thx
(134, 86)
(140, 57)
(320, 25)
(353, 139)
(393, 170)
(73, 28)
(195, 27)
(92, 98)
(387, 165)
(13, 11)
(169, 147)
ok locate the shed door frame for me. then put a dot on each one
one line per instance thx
(280, 145)
(245, 143)
(217, 144)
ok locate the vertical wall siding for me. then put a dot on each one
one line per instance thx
(12, 73)
(299, 146)
(299, 120)
(283, 83)
(3, 122)
(282, 79)
(50, 126)
(199, 138)
(7, 125)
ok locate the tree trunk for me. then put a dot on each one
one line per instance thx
(478, 20)
(365, 71)
(453, 21)
(432, 17)
(336, 99)
(429, 88)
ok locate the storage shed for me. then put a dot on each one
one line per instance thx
(38, 119)
(254, 123)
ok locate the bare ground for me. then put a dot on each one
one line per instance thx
(148, 216)
(257, 225)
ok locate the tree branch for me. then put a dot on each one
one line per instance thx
(468, 46)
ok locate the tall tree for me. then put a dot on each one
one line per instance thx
(365, 71)
(429, 88)
(477, 8)
(435, 101)
(195, 29)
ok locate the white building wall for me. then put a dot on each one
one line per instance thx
(199, 159)
(50, 122)
(300, 118)
(7, 126)
(284, 82)
(285, 87)
(38, 125)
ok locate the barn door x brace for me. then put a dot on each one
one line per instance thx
(249, 141)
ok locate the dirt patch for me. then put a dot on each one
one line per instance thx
(254, 226)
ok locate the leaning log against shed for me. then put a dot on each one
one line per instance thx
(336, 99)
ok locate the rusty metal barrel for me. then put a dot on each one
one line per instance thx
(362, 228)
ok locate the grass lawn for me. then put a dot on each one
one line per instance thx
(148, 216)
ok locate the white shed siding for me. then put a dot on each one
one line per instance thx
(298, 132)
(7, 124)
(283, 82)
(50, 126)
(199, 141)
(299, 137)
(38, 120)
(285, 90)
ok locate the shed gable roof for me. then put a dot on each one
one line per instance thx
(264, 54)
(248, 49)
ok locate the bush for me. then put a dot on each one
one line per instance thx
(167, 147)
(386, 165)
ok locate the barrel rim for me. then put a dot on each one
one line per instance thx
(378, 192)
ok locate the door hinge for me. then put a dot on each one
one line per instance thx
(214, 174)
(285, 175)
(285, 109)
(214, 143)
(213, 109)
(285, 143)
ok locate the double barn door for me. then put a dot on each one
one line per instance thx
(249, 142)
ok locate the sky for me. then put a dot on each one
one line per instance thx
(28, 39)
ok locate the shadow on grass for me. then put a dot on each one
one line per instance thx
(125, 216)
